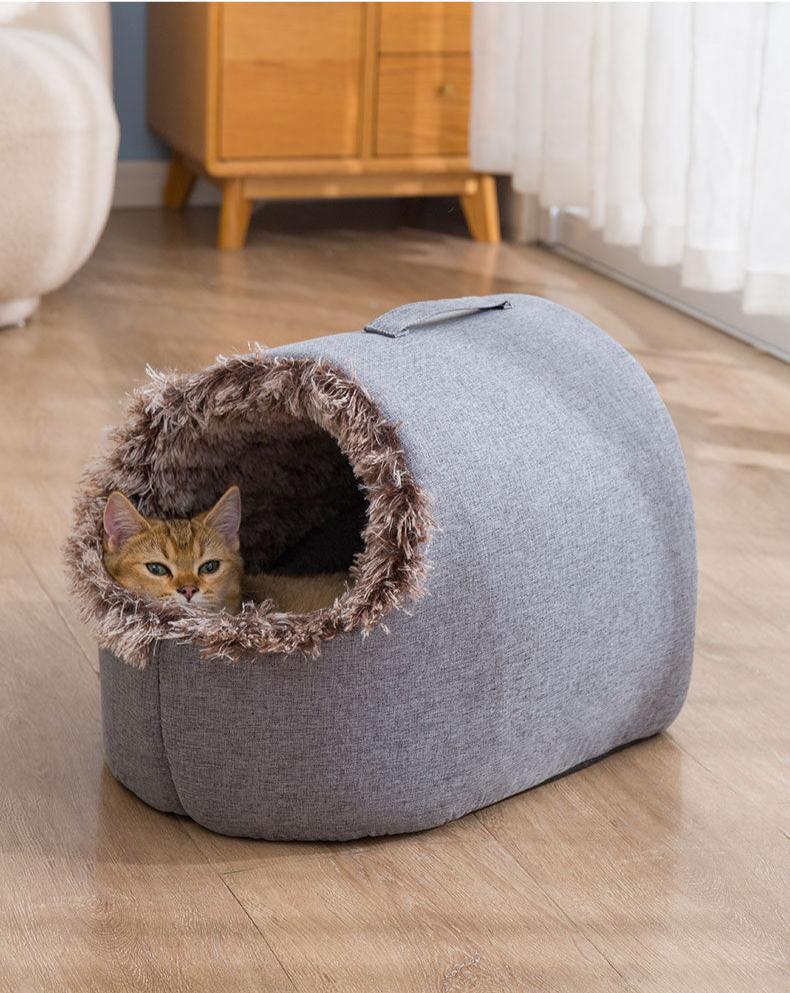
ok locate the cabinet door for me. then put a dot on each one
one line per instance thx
(423, 105)
(425, 27)
(290, 79)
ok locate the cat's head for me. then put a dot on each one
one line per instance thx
(194, 561)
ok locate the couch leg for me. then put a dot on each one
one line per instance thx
(180, 180)
(234, 216)
(481, 210)
(15, 313)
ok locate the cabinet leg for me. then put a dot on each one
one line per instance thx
(481, 210)
(234, 217)
(180, 180)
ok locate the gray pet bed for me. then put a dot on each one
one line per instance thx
(500, 470)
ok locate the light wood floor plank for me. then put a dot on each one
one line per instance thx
(444, 910)
(665, 870)
(735, 722)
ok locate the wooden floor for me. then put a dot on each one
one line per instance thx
(662, 868)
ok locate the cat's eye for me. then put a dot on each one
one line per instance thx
(157, 569)
(211, 566)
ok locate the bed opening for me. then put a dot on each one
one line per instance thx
(325, 488)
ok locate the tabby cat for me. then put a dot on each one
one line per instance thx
(196, 561)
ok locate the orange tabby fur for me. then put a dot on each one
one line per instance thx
(183, 548)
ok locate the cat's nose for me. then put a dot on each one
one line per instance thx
(187, 591)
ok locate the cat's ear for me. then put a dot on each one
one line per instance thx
(121, 521)
(225, 516)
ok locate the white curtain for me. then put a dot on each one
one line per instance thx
(669, 123)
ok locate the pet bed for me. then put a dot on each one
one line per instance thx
(508, 491)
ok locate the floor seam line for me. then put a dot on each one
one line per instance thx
(252, 921)
(42, 586)
(558, 907)
(209, 864)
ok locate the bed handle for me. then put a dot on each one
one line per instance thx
(398, 322)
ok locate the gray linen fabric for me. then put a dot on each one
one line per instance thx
(559, 623)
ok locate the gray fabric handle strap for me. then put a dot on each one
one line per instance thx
(398, 322)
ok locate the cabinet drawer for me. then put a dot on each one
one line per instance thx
(423, 105)
(425, 27)
(290, 77)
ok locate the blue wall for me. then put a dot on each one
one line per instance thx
(128, 62)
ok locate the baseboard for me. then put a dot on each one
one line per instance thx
(139, 183)
(566, 233)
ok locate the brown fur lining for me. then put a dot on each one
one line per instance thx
(186, 437)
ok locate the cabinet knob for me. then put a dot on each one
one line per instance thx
(445, 90)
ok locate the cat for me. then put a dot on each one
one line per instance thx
(197, 561)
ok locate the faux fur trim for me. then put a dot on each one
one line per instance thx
(178, 438)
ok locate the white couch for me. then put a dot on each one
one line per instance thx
(58, 146)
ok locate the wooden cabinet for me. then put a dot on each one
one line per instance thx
(286, 100)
